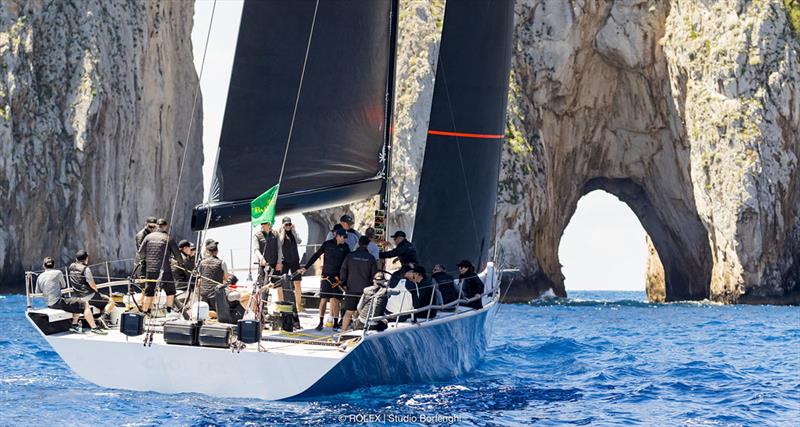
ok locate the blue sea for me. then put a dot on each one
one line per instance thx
(598, 358)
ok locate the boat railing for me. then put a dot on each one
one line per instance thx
(493, 290)
(427, 308)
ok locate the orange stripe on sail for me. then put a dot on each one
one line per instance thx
(465, 135)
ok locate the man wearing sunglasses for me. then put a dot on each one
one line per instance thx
(289, 257)
(183, 265)
(149, 227)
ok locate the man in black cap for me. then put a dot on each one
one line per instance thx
(471, 284)
(334, 251)
(422, 292)
(213, 273)
(265, 249)
(289, 257)
(358, 269)
(149, 226)
(406, 255)
(346, 222)
(154, 259)
(205, 247)
(183, 265)
(82, 281)
(373, 304)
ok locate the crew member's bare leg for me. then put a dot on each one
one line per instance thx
(298, 296)
(346, 319)
(147, 302)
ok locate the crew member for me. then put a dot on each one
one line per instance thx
(406, 255)
(183, 265)
(372, 248)
(358, 269)
(149, 226)
(82, 281)
(154, 258)
(265, 249)
(50, 283)
(205, 247)
(213, 272)
(422, 292)
(471, 284)
(346, 221)
(373, 304)
(334, 251)
(289, 258)
(446, 285)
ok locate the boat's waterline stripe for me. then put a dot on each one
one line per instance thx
(465, 135)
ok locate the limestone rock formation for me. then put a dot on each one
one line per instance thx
(687, 111)
(95, 105)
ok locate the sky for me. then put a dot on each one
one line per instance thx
(603, 247)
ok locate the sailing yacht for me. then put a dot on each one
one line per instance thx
(322, 72)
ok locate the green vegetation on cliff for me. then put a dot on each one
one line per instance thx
(793, 12)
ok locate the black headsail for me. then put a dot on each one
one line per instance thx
(341, 127)
(458, 186)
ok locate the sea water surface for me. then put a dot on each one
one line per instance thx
(599, 358)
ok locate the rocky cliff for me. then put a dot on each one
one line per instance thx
(688, 111)
(95, 105)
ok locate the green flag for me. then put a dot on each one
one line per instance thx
(262, 209)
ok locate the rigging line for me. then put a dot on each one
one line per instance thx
(297, 97)
(186, 142)
(194, 107)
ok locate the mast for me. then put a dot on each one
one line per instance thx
(382, 213)
(383, 204)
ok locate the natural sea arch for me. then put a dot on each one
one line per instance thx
(604, 246)
(684, 269)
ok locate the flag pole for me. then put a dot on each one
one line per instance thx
(250, 263)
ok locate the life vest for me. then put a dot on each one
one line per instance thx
(210, 268)
(77, 279)
(268, 246)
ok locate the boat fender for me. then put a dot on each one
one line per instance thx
(200, 311)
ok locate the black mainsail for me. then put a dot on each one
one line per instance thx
(341, 128)
(458, 186)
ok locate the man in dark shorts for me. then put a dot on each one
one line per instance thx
(82, 281)
(289, 257)
(154, 257)
(335, 250)
(50, 283)
(358, 269)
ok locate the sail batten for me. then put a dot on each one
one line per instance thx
(342, 113)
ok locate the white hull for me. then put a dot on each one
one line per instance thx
(445, 347)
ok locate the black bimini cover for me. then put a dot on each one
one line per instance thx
(458, 186)
(341, 125)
